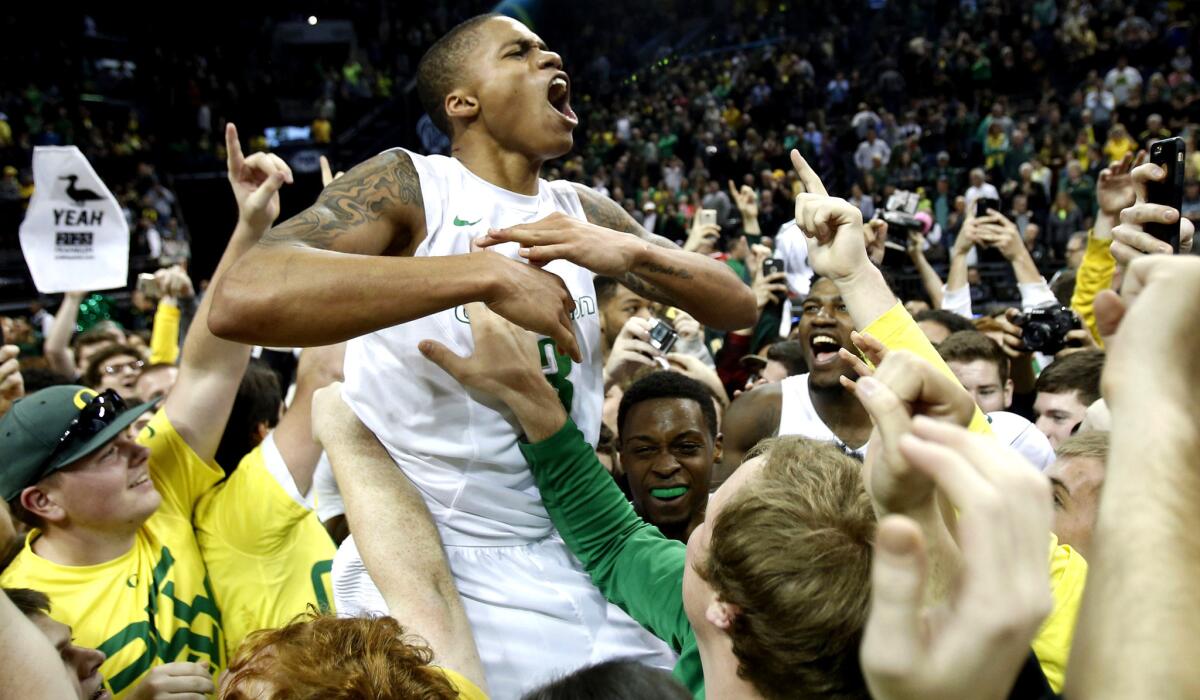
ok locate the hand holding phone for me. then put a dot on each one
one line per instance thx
(1167, 154)
(147, 285)
(983, 204)
(663, 337)
(771, 266)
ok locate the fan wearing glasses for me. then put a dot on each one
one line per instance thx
(116, 367)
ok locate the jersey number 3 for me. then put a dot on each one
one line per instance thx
(557, 368)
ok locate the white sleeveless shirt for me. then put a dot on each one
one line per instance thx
(798, 415)
(457, 446)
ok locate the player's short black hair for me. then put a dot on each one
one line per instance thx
(441, 68)
(667, 385)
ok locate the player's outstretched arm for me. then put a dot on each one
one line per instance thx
(339, 269)
(662, 271)
(648, 264)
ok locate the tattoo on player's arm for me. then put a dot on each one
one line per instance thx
(363, 195)
(602, 211)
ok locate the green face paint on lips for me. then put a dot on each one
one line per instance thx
(667, 494)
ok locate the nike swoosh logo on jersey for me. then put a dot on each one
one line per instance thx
(461, 222)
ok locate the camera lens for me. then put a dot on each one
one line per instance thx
(1036, 335)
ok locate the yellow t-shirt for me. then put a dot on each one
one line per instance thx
(1068, 570)
(1095, 274)
(154, 604)
(897, 330)
(1052, 645)
(268, 554)
(466, 689)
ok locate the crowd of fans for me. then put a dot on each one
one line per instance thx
(822, 451)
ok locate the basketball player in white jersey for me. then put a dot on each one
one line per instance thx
(815, 404)
(389, 253)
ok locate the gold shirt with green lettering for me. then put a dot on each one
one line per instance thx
(154, 604)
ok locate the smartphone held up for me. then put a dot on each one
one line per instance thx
(1167, 154)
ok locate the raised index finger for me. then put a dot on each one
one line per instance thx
(808, 177)
(233, 149)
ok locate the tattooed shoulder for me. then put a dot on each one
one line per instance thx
(371, 191)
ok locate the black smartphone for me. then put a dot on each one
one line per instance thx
(771, 266)
(1168, 155)
(983, 204)
(662, 336)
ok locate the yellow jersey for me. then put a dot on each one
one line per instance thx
(466, 689)
(268, 554)
(1052, 645)
(1068, 569)
(154, 604)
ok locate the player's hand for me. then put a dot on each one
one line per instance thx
(532, 298)
(560, 237)
(255, 181)
(179, 680)
(837, 243)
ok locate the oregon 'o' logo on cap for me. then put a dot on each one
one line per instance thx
(83, 397)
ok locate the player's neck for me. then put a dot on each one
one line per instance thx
(82, 546)
(842, 413)
(510, 170)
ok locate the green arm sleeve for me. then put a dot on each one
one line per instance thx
(629, 560)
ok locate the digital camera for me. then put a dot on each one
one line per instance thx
(1044, 329)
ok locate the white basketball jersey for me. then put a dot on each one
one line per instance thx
(457, 446)
(798, 415)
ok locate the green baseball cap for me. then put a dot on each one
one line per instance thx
(33, 428)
